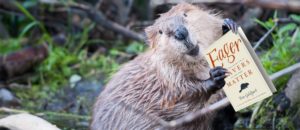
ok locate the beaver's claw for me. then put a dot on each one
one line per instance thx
(229, 24)
(217, 79)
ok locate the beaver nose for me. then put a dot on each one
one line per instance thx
(181, 33)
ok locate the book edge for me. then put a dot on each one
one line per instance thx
(256, 60)
(260, 99)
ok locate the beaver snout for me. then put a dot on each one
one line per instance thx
(181, 33)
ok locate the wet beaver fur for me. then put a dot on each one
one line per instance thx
(170, 79)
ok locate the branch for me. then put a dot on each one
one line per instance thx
(9, 110)
(285, 71)
(254, 114)
(291, 5)
(149, 116)
(91, 12)
(286, 20)
(48, 113)
(265, 36)
(194, 115)
(277, 21)
(214, 107)
(220, 104)
(99, 18)
(98, 4)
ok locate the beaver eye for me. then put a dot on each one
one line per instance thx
(160, 32)
(184, 15)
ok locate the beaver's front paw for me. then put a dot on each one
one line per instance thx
(217, 79)
(229, 24)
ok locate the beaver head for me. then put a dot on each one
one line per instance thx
(184, 32)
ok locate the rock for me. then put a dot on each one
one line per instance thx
(25, 122)
(7, 98)
(76, 99)
(22, 61)
(292, 90)
(74, 79)
(290, 95)
(289, 99)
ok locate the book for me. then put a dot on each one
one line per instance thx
(247, 82)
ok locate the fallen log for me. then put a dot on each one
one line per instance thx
(291, 5)
(19, 62)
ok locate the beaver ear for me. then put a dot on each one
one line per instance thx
(151, 34)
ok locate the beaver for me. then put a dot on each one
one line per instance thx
(170, 79)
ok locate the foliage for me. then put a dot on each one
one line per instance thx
(284, 53)
(74, 58)
(8, 46)
(71, 58)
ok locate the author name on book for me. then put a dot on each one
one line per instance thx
(248, 94)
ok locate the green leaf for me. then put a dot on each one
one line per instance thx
(25, 11)
(114, 52)
(27, 28)
(275, 15)
(261, 23)
(28, 15)
(295, 17)
(135, 47)
(267, 25)
(286, 28)
(10, 45)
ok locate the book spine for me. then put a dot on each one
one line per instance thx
(256, 60)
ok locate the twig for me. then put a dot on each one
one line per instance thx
(277, 21)
(9, 110)
(214, 107)
(254, 113)
(98, 4)
(274, 120)
(265, 36)
(65, 115)
(249, 14)
(185, 119)
(91, 12)
(285, 71)
(222, 103)
(151, 117)
(291, 5)
(99, 18)
(286, 20)
(194, 115)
